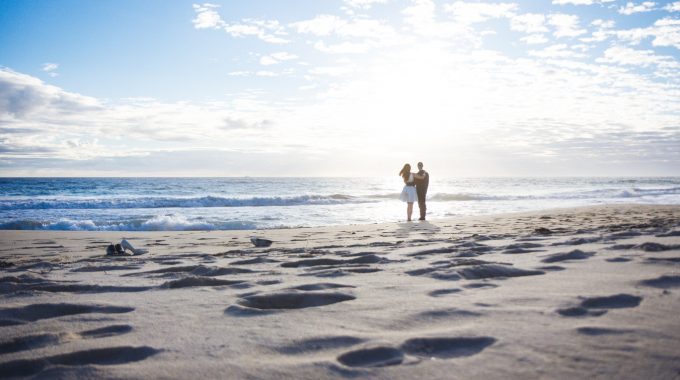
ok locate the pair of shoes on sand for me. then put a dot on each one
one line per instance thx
(121, 249)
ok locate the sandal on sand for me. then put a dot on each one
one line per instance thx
(136, 251)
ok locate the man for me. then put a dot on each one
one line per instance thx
(421, 189)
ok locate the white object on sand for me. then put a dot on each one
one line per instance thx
(137, 251)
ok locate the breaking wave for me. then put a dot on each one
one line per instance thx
(156, 223)
(162, 202)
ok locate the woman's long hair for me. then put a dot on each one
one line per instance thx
(405, 172)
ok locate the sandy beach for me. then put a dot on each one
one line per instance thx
(587, 292)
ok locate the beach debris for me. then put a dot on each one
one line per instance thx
(122, 248)
(136, 251)
(259, 242)
(116, 250)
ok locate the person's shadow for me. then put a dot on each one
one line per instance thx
(423, 228)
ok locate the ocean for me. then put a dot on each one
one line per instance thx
(178, 204)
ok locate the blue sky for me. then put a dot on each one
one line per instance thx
(353, 87)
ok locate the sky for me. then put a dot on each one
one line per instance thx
(339, 87)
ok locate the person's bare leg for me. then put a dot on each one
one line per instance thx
(409, 211)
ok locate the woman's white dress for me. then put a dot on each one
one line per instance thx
(409, 192)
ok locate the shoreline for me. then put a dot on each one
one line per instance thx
(359, 225)
(559, 293)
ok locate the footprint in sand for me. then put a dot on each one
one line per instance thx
(601, 305)
(196, 270)
(445, 347)
(36, 312)
(321, 286)
(576, 254)
(618, 260)
(479, 285)
(475, 272)
(663, 282)
(261, 304)
(366, 259)
(443, 292)
(656, 247)
(106, 268)
(195, 281)
(380, 356)
(596, 331)
(27, 283)
(434, 347)
(32, 342)
(101, 356)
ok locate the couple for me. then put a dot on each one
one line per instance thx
(415, 188)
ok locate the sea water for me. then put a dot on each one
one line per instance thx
(158, 204)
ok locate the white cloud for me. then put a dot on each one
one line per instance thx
(267, 60)
(664, 32)
(534, 39)
(364, 4)
(626, 56)
(326, 25)
(673, 7)
(603, 31)
(342, 48)
(556, 51)
(266, 73)
(529, 23)
(207, 17)
(266, 30)
(274, 58)
(580, 2)
(50, 69)
(631, 7)
(565, 25)
(421, 17)
(469, 13)
(603, 24)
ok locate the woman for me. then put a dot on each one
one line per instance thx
(409, 195)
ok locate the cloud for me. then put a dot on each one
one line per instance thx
(565, 25)
(231, 124)
(470, 13)
(672, 7)
(22, 96)
(342, 48)
(529, 23)
(50, 69)
(326, 25)
(556, 51)
(631, 7)
(534, 39)
(664, 32)
(626, 56)
(266, 30)
(275, 58)
(207, 17)
(364, 4)
(580, 2)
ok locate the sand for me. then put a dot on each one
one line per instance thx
(559, 294)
